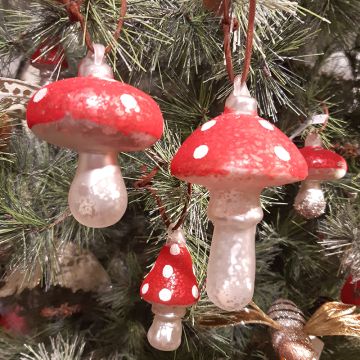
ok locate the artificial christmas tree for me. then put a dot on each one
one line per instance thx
(185, 54)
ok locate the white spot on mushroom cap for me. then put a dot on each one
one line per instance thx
(208, 125)
(174, 249)
(129, 103)
(201, 151)
(145, 289)
(265, 124)
(281, 153)
(194, 270)
(40, 95)
(195, 291)
(167, 271)
(165, 294)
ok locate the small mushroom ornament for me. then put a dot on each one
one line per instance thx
(235, 156)
(98, 117)
(48, 60)
(350, 292)
(170, 287)
(323, 165)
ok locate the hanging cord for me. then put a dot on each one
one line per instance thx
(146, 181)
(185, 208)
(249, 41)
(227, 42)
(73, 8)
(119, 24)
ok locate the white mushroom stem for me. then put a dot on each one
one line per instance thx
(98, 196)
(310, 201)
(166, 329)
(231, 268)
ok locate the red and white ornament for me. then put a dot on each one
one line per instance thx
(323, 165)
(48, 60)
(235, 156)
(170, 287)
(98, 117)
(350, 292)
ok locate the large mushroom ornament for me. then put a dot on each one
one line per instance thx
(170, 287)
(323, 165)
(98, 117)
(235, 156)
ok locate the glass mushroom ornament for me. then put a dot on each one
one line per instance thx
(235, 156)
(48, 61)
(170, 287)
(323, 165)
(98, 117)
(350, 292)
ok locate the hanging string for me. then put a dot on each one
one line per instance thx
(249, 40)
(185, 208)
(227, 40)
(120, 24)
(146, 181)
(73, 8)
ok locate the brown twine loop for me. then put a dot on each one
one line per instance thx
(249, 39)
(145, 182)
(227, 43)
(73, 8)
(120, 24)
(185, 208)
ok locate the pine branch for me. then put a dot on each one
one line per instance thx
(60, 348)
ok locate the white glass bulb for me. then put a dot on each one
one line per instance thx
(166, 329)
(98, 196)
(232, 262)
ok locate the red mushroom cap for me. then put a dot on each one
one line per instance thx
(92, 114)
(238, 150)
(51, 57)
(323, 164)
(350, 293)
(171, 281)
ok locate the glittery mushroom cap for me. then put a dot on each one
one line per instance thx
(239, 148)
(90, 114)
(171, 281)
(350, 292)
(46, 57)
(323, 164)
